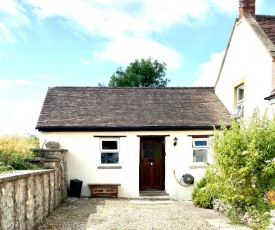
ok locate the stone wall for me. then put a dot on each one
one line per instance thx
(27, 197)
(54, 159)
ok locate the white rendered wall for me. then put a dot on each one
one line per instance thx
(84, 158)
(247, 59)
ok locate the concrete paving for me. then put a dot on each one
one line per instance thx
(216, 219)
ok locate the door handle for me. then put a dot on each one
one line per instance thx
(151, 163)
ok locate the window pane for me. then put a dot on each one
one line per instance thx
(200, 143)
(200, 155)
(109, 145)
(109, 158)
(151, 150)
(240, 94)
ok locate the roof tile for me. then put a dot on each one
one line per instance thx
(267, 23)
(100, 107)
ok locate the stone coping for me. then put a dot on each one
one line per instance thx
(50, 150)
(15, 175)
(45, 160)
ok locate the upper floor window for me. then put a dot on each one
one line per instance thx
(239, 102)
(240, 94)
(109, 149)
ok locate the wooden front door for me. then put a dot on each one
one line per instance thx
(151, 164)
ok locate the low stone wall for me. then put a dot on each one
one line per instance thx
(54, 159)
(27, 197)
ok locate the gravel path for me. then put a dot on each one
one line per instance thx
(103, 214)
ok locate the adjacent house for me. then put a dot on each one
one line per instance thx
(247, 73)
(141, 138)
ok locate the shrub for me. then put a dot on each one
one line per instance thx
(207, 190)
(15, 152)
(19, 144)
(244, 156)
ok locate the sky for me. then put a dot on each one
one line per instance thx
(82, 43)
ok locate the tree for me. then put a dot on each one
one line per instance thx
(144, 73)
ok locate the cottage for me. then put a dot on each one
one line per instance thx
(247, 73)
(140, 138)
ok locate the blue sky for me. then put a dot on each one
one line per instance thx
(82, 42)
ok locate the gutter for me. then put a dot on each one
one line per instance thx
(145, 128)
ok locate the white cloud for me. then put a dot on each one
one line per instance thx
(6, 34)
(12, 17)
(8, 83)
(128, 25)
(84, 61)
(20, 116)
(126, 49)
(208, 71)
(112, 18)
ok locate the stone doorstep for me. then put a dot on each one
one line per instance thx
(153, 193)
(152, 197)
(150, 201)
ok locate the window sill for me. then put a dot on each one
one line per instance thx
(197, 166)
(109, 167)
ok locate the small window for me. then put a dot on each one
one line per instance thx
(109, 149)
(200, 155)
(239, 109)
(200, 149)
(200, 142)
(109, 145)
(240, 94)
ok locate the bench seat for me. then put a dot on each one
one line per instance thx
(104, 190)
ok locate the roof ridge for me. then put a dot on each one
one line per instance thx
(158, 88)
(265, 16)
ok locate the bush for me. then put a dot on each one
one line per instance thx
(207, 190)
(15, 152)
(244, 157)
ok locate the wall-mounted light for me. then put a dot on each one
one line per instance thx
(175, 141)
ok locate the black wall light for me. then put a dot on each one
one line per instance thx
(175, 141)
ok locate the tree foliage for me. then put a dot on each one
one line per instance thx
(143, 73)
(15, 152)
(244, 170)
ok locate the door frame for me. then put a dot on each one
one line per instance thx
(163, 154)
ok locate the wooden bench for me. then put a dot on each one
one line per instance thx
(104, 190)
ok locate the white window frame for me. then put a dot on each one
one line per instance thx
(101, 150)
(199, 147)
(238, 111)
(238, 89)
(108, 150)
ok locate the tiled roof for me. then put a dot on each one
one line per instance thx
(264, 27)
(268, 25)
(100, 108)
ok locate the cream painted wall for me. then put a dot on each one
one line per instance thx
(84, 158)
(247, 59)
